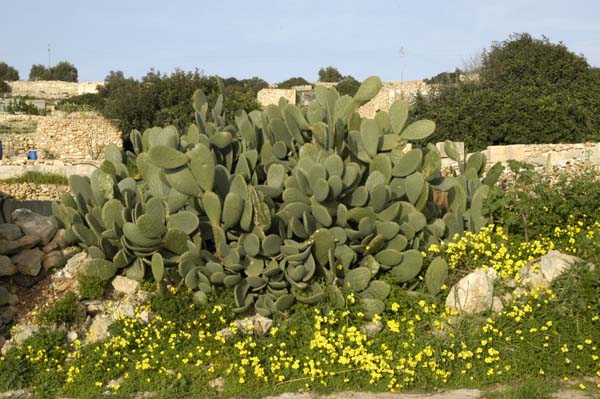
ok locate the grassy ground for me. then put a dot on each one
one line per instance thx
(38, 178)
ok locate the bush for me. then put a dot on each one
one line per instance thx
(534, 203)
(161, 99)
(530, 91)
(4, 87)
(82, 103)
(7, 72)
(91, 287)
(21, 105)
(348, 86)
(65, 311)
(291, 82)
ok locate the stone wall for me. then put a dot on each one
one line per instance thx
(61, 138)
(271, 96)
(51, 89)
(390, 92)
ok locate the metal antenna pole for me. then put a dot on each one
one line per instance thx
(49, 56)
(402, 53)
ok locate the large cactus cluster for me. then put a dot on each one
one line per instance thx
(287, 204)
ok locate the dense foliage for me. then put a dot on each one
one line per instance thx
(161, 99)
(348, 85)
(4, 87)
(64, 71)
(7, 72)
(291, 82)
(530, 91)
(329, 74)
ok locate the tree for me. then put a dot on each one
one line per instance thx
(64, 71)
(39, 72)
(329, 74)
(4, 87)
(291, 82)
(530, 91)
(7, 72)
(348, 85)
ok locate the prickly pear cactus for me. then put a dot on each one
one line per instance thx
(287, 204)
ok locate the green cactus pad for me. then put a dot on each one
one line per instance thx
(418, 130)
(99, 268)
(185, 221)
(436, 275)
(389, 257)
(367, 90)
(410, 266)
(398, 115)
(357, 279)
(158, 267)
(408, 164)
(371, 307)
(202, 166)
(151, 226)
(167, 157)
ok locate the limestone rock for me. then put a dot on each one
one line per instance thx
(474, 293)
(125, 285)
(58, 241)
(7, 268)
(74, 264)
(33, 224)
(71, 336)
(218, 384)
(94, 306)
(29, 261)
(371, 329)
(98, 329)
(554, 263)
(12, 247)
(54, 259)
(10, 232)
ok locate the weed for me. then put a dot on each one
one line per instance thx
(66, 310)
(38, 178)
(91, 287)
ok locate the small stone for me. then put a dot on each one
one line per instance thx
(9, 231)
(22, 332)
(12, 247)
(98, 330)
(125, 285)
(113, 383)
(33, 224)
(218, 384)
(29, 261)
(7, 268)
(71, 336)
(75, 263)
(226, 333)
(371, 329)
(54, 259)
(123, 310)
(13, 299)
(497, 305)
(94, 306)
(4, 296)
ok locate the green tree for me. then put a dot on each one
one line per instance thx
(64, 71)
(4, 87)
(329, 74)
(7, 72)
(530, 91)
(348, 85)
(39, 72)
(291, 82)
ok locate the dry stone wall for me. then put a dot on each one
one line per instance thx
(390, 92)
(51, 89)
(61, 138)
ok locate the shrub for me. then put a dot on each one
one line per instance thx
(291, 82)
(66, 310)
(535, 203)
(91, 287)
(83, 102)
(530, 91)
(348, 86)
(21, 105)
(64, 71)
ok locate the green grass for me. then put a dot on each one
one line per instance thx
(38, 178)
(531, 389)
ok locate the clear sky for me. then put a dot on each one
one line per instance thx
(277, 39)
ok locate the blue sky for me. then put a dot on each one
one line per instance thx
(279, 39)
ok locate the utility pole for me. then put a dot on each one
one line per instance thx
(402, 53)
(49, 56)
